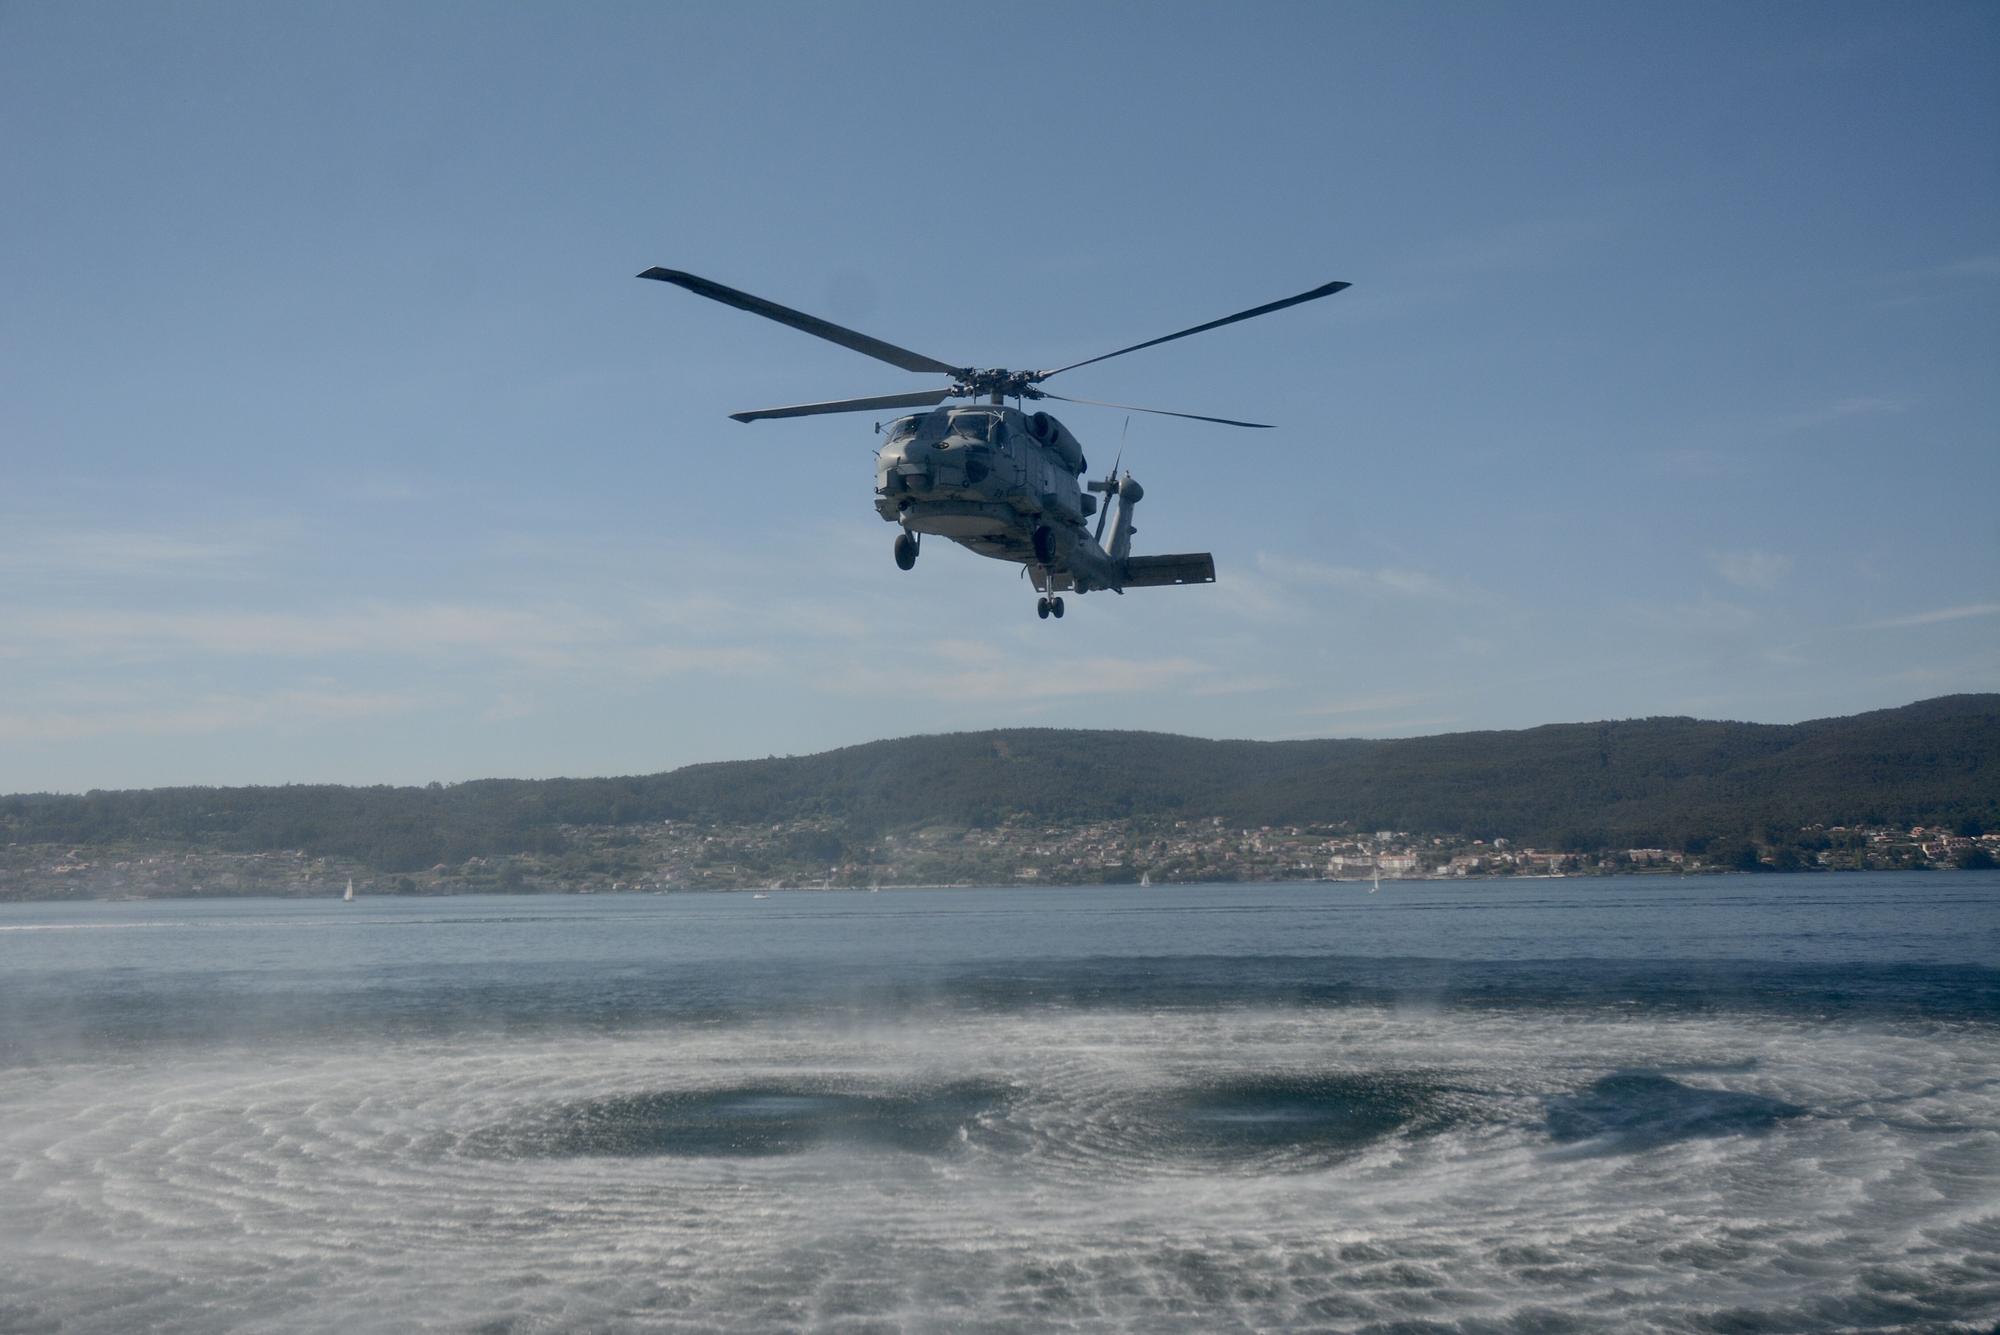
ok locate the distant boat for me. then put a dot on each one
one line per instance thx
(1145, 878)
(348, 898)
(1376, 884)
(760, 895)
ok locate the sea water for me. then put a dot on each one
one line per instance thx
(1759, 1103)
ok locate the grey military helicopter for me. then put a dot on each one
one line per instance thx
(997, 480)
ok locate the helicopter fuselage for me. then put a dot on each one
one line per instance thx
(993, 479)
(987, 477)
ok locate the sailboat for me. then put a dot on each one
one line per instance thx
(348, 898)
(1145, 878)
(1376, 884)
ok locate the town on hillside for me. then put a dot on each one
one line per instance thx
(669, 855)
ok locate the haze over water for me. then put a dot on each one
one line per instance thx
(1732, 1103)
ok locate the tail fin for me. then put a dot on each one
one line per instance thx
(1130, 493)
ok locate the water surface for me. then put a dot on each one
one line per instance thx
(1730, 1103)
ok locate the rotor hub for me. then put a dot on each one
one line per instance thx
(969, 383)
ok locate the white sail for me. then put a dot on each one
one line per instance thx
(348, 898)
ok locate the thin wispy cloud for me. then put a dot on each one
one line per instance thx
(1840, 410)
(1942, 282)
(51, 551)
(1752, 569)
(1369, 704)
(1383, 581)
(1978, 266)
(1530, 244)
(664, 660)
(507, 707)
(381, 488)
(697, 610)
(1399, 727)
(1963, 612)
(1262, 600)
(974, 672)
(569, 641)
(1974, 674)
(1703, 616)
(966, 653)
(1695, 463)
(298, 707)
(1240, 685)
(1090, 676)
(377, 628)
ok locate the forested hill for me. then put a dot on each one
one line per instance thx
(1647, 782)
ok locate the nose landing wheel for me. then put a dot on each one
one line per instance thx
(906, 550)
(1049, 607)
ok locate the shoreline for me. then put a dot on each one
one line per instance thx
(334, 894)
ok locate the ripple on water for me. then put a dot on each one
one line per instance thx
(747, 1120)
(1184, 1171)
(1636, 1110)
(1303, 1119)
(1274, 1123)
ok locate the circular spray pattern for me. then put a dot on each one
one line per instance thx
(1298, 1120)
(1163, 1171)
(752, 1120)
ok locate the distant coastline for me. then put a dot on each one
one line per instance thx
(1907, 788)
(1086, 856)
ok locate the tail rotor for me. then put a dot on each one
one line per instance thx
(1108, 487)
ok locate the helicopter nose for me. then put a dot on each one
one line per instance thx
(907, 469)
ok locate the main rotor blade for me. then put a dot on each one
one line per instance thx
(811, 324)
(929, 398)
(1157, 412)
(1324, 290)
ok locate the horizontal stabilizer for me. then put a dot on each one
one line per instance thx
(1184, 568)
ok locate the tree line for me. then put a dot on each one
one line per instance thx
(1677, 783)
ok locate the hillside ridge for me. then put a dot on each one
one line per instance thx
(1662, 780)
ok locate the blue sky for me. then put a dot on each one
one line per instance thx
(338, 441)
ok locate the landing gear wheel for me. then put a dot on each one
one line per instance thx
(1045, 544)
(906, 551)
(1042, 608)
(1055, 607)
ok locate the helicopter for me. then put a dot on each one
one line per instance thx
(998, 480)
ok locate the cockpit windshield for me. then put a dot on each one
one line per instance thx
(974, 426)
